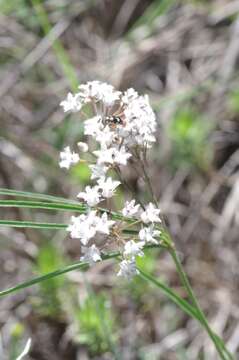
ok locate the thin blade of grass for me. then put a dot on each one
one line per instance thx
(43, 205)
(50, 226)
(183, 304)
(172, 295)
(32, 224)
(10, 192)
(153, 12)
(185, 281)
(59, 50)
(186, 307)
(59, 204)
(57, 226)
(67, 203)
(77, 266)
(45, 277)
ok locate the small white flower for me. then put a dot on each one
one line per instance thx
(140, 121)
(91, 195)
(130, 208)
(98, 171)
(112, 156)
(25, 350)
(129, 95)
(105, 156)
(121, 157)
(132, 249)
(104, 224)
(75, 226)
(67, 158)
(99, 91)
(84, 227)
(72, 103)
(151, 214)
(93, 126)
(83, 146)
(105, 137)
(79, 230)
(127, 269)
(91, 254)
(148, 235)
(107, 186)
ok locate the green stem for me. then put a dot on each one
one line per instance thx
(77, 266)
(184, 279)
(185, 282)
(69, 268)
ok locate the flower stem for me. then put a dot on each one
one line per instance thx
(185, 282)
(222, 351)
(148, 181)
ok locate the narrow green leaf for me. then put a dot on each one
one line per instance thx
(184, 305)
(10, 192)
(61, 54)
(172, 295)
(50, 202)
(77, 266)
(67, 203)
(154, 11)
(81, 265)
(52, 226)
(43, 205)
(31, 224)
(57, 226)
(47, 276)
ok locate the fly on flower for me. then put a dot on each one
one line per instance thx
(117, 118)
(113, 121)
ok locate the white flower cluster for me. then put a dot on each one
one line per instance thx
(147, 235)
(122, 123)
(137, 125)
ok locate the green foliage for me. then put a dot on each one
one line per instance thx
(48, 259)
(233, 101)
(189, 133)
(81, 173)
(119, 199)
(198, 2)
(96, 324)
(22, 10)
(135, 288)
(100, 331)
(16, 343)
(58, 48)
(146, 23)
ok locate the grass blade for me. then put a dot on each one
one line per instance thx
(59, 204)
(59, 50)
(184, 280)
(10, 192)
(54, 226)
(189, 309)
(51, 226)
(184, 305)
(172, 295)
(38, 279)
(43, 205)
(32, 224)
(46, 198)
(154, 11)
(77, 266)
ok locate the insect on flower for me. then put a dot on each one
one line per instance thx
(114, 120)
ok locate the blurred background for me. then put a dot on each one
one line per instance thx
(185, 55)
